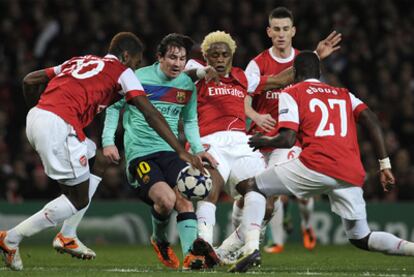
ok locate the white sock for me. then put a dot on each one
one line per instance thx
(389, 244)
(71, 224)
(206, 219)
(276, 224)
(236, 215)
(52, 214)
(253, 214)
(231, 244)
(306, 211)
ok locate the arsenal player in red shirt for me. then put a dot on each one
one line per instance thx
(324, 119)
(264, 111)
(76, 91)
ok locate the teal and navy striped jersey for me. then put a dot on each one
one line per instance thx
(172, 97)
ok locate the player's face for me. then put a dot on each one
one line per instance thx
(133, 62)
(173, 62)
(281, 31)
(219, 56)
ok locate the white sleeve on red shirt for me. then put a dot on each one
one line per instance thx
(288, 112)
(193, 64)
(53, 71)
(131, 86)
(253, 76)
(357, 105)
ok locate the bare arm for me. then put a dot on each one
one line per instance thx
(284, 78)
(264, 121)
(285, 139)
(34, 84)
(370, 123)
(160, 125)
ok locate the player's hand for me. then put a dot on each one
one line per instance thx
(194, 160)
(211, 74)
(265, 121)
(209, 158)
(329, 45)
(259, 141)
(111, 153)
(387, 180)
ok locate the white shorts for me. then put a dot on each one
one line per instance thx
(281, 155)
(64, 157)
(236, 159)
(293, 177)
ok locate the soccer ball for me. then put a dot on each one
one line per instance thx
(194, 185)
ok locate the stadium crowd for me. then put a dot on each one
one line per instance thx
(375, 62)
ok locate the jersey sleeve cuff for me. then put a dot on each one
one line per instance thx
(50, 72)
(134, 93)
(359, 109)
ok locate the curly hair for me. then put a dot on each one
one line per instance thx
(215, 37)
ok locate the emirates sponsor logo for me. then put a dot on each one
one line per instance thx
(213, 91)
(272, 94)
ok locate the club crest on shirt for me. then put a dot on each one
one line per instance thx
(180, 96)
(83, 161)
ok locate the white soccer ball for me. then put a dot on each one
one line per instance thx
(194, 185)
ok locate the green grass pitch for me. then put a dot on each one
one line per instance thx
(138, 260)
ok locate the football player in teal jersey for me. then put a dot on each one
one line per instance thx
(152, 165)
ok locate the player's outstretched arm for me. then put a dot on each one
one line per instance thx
(281, 80)
(160, 125)
(329, 45)
(34, 84)
(370, 123)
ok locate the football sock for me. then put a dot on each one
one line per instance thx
(236, 215)
(306, 213)
(187, 230)
(52, 214)
(206, 218)
(159, 225)
(71, 224)
(253, 214)
(232, 243)
(389, 244)
(276, 224)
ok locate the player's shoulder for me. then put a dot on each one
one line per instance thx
(262, 56)
(239, 75)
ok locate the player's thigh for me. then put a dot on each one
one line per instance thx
(171, 165)
(64, 157)
(243, 167)
(280, 155)
(146, 171)
(348, 202)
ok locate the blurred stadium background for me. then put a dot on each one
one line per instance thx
(375, 62)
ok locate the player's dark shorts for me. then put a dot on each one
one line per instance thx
(162, 166)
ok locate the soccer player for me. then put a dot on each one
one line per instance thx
(76, 91)
(152, 164)
(263, 112)
(222, 121)
(324, 118)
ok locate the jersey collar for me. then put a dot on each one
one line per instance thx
(111, 56)
(312, 80)
(283, 60)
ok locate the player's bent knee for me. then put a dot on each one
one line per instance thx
(184, 205)
(361, 243)
(166, 203)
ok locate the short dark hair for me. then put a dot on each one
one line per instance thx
(306, 66)
(175, 40)
(125, 41)
(281, 12)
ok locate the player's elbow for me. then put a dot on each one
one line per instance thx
(29, 79)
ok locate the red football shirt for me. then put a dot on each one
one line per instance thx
(324, 118)
(84, 86)
(266, 102)
(220, 106)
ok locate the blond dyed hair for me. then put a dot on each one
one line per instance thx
(217, 37)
